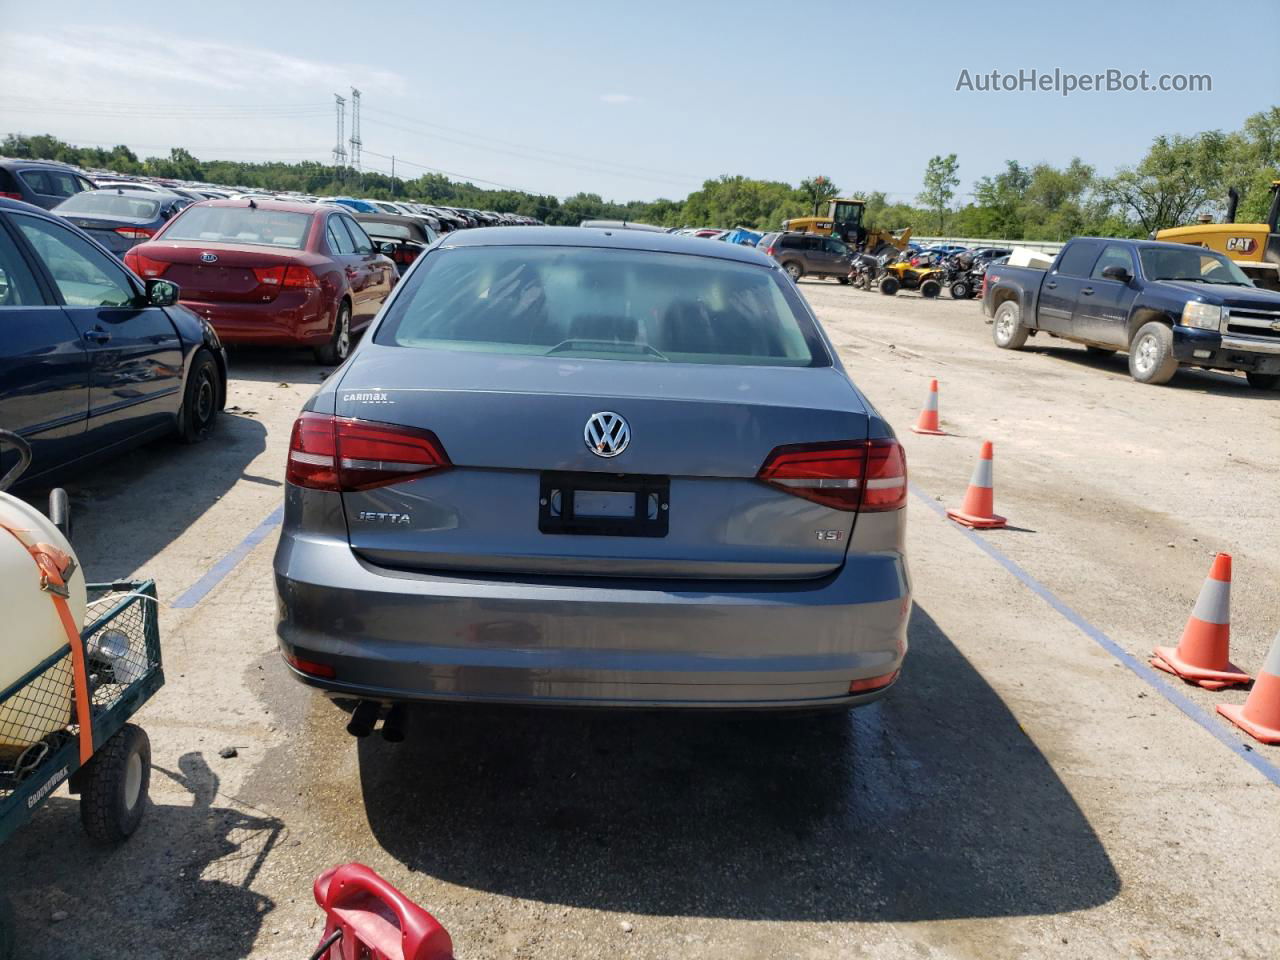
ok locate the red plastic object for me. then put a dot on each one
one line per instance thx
(378, 922)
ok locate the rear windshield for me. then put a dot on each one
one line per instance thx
(130, 205)
(612, 304)
(389, 231)
(271, 228)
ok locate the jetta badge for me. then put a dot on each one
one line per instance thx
(209, 257)
(606, 434)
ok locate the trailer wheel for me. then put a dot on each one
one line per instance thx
(889, 286)
(113, 796)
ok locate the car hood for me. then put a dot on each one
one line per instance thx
(1251, 298)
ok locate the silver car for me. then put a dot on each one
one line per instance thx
(593, 467)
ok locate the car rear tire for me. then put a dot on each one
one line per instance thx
(200, 399)
(1151, 358)
(113, 796)
(889, 286)
(794, 270)
(1007, 330)
(1100, 351)
(930, 289)
(1263, 381)
(339, 346)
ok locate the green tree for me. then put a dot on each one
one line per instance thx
(1177, 178)
(940, 182)
(817, 189)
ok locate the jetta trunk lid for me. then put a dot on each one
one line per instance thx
(507, 423)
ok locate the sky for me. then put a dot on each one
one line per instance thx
(628, 100)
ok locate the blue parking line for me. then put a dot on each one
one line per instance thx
(1146, 674)
(201, 588)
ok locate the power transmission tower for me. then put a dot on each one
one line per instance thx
(355, 129)
(340, 146)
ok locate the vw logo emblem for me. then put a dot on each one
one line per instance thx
(606, 434)
(209, 257)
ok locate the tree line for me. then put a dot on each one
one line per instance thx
(1177, 179)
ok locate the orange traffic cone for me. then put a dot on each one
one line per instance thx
(1260, 714)
(928, 422)
(979, 499)
(1201, 654)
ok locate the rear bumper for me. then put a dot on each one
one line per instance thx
(1209, 348)
(268, 324)
(395, 635)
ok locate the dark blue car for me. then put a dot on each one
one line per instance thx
(92, 359)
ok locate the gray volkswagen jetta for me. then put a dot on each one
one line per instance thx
(592, 467)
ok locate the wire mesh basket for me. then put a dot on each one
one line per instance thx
(39, 727)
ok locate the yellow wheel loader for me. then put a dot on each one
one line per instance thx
(843, 220)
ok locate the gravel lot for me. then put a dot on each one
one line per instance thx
(1021, 793)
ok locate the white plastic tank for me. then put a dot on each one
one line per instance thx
(32, 629)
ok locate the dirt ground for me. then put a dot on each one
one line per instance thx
(1030, 788)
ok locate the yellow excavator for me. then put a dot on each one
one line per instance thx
(1254, 247)
(843, 220)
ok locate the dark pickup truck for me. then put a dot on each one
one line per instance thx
(1166, 304)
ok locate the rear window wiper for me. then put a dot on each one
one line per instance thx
(606, 346)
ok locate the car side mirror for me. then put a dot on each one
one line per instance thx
(387, 249)
(161, 293)
(1116, 272)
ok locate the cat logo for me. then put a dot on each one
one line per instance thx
(1241, 245)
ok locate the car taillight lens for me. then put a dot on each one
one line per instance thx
(769, 250)
(300, 278)
(871, 475)
(269, 276)
(10, 196)
(145, 266)
(135, 233)
(885, 486)
(336, 453)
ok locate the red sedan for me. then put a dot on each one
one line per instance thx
(272, 272)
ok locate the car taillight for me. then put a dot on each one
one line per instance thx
(145, 266)
(336, 453)
(870, 475)
(10, 196)
(135, 233)
(269, 276)
(769, 250)
(885, 486)
(300, 278)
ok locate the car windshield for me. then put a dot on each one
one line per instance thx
(112, 204)
(253, 225)
(1193, 263)
(849, 214)
(614, 304)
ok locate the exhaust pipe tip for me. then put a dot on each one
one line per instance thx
(363, 717)
(393, 724)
